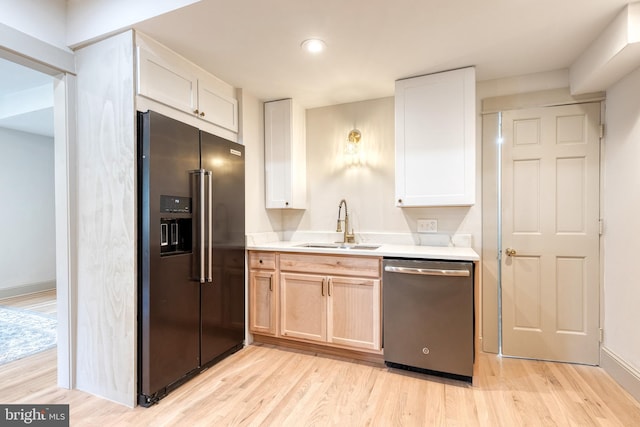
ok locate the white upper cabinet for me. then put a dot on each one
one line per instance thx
(214, 105)
(285, 155)
(165, 81)
(168, 78)
(435, 139)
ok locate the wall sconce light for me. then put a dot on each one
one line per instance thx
(353, 154)
(353, 140)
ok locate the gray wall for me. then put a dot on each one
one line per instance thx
(621, 344)
(27, 222)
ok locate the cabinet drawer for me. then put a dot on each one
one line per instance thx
(331, 264)
(262, 260)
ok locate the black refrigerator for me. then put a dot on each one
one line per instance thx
(191, 252)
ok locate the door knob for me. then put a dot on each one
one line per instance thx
(510, 252)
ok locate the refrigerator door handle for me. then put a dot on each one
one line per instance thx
(210, 227)
(202, 224)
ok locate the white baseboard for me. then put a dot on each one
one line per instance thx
(623, 373)
(27, 289)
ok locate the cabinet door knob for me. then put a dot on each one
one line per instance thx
(399, 201)
(196, 111)
(202, 114)
(510, 252)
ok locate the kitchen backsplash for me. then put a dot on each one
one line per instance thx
(416, 239)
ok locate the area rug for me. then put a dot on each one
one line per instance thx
(23, 333)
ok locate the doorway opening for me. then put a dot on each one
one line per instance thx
(27, 188)
(45, 109)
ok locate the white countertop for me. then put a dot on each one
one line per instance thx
(385, 250)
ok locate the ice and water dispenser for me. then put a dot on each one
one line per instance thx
(175, 225)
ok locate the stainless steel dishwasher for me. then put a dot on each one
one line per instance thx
(428, 316)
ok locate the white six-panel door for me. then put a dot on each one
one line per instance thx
(550, 233)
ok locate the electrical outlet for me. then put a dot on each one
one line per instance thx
(427, 226)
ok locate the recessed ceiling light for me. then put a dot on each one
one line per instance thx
(313, 45)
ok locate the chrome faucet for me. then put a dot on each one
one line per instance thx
(348, 237)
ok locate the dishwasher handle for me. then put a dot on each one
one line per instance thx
(427, 271)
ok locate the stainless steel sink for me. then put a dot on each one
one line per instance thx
(367, 247)
(320, 245)
(338, 246)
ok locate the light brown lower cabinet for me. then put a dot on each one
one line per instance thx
(337, 310)
(263, 293)
(303, 311)
(324, 299)
(263, 309)
(341, 308)
(353, 312)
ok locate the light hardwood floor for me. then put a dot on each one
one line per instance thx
(43, 302)
(271, 386)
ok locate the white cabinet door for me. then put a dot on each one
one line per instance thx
(215, 107)
(435, 139)
(168, 78)
(166, 81)
(285, 155)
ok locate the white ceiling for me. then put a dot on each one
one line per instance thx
(16, 78)
(255, 45)
(18, 108)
